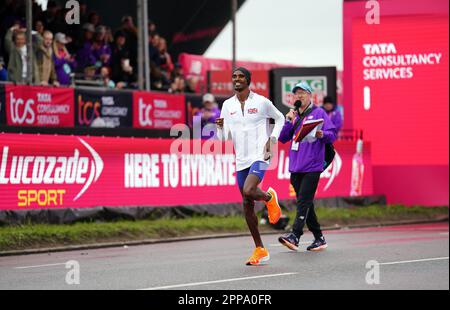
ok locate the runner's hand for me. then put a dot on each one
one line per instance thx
(268, 151)
(219, 123)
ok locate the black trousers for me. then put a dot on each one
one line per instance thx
(305, 185)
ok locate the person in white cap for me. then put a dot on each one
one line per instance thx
(64, 62)
(207, 115)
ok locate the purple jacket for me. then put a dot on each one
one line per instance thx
(336, 117)
(310, 157)
(89, 56)
(63, 69)
(85, 57)
(205, 122)
(97, 53)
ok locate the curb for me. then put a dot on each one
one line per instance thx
(194, 238)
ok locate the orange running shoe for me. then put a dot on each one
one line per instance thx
(273, 208)
(259, 256)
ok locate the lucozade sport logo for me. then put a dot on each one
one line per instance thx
(49, 170)
(332, 171)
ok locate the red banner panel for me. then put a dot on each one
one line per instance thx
(158, 111)
(400, 88)
(396, 87)
(80, 172)
(39, 106)
(196, 67)
(220, 83)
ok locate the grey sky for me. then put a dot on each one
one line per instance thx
(297, 32)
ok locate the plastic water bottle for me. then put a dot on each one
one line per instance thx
(357, 170)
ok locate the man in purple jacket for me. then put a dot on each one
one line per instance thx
(306, 163)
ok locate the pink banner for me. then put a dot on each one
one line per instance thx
(385, 67)
(196, 67)
(335, 181)
(220, 83)
(80, 172)
(39, 106)
(158, 111)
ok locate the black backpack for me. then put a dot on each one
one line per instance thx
(329, 155)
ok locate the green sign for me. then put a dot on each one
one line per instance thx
(317, 83)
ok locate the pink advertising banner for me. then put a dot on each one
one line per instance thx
(158, 110)
(384, 66)
(220, 83)
(51, 172)
(39, 106)
(196, 67)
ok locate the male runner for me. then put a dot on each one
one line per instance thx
(245, 117)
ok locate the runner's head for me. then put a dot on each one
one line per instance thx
(241, 79)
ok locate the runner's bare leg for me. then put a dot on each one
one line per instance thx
(250, 193)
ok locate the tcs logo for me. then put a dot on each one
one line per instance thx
(145, 118)
(21, 110)
(88, 111)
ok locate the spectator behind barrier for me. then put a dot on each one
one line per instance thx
(44, 58)
(84, 42)
(49, 17)
(64, 62)
(122, 72)
(15, 45)
(105, 77)
(84, 54)
(39, 27)
(207, 115)
(153, 47)
(101, 50)
(93, 45)
(330, 106)
(130, 30)
(165, 60)
(178, 85)
(3, 71)
(94, 19)
(89, 73)
(177, 71)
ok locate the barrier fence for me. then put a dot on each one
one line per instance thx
(85, 172)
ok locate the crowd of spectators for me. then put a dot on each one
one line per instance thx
(86, 54)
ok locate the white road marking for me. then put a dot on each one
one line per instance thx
(39, 266)
(218, 281)
(415, 261)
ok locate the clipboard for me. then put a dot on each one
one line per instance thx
(307, 127)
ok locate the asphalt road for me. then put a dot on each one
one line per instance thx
(408, 257)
